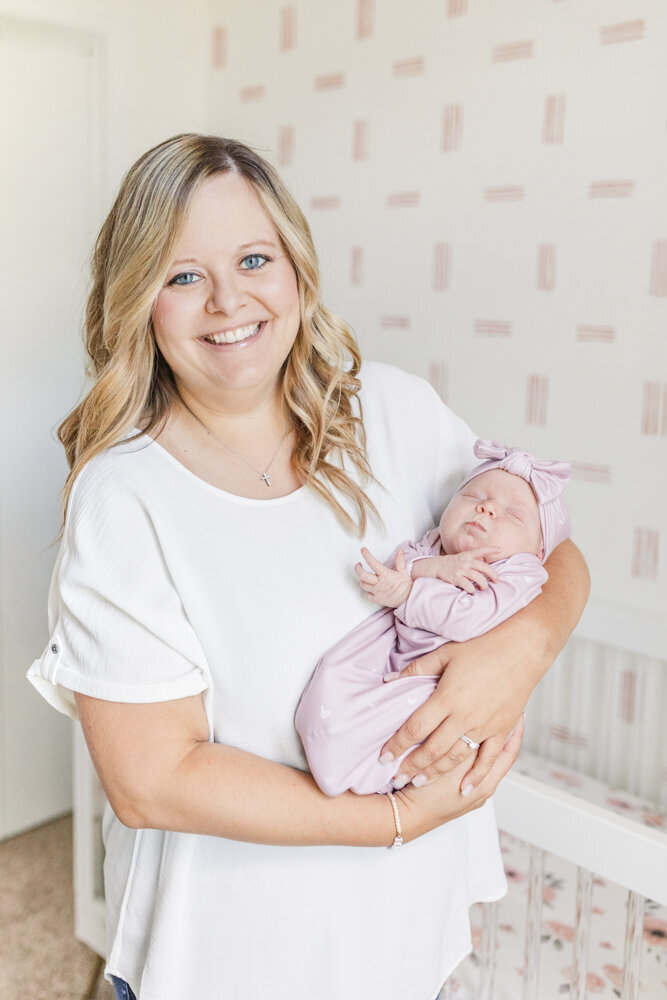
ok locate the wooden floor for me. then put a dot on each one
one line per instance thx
(39, 957)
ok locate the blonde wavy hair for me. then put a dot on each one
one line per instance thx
(133, 385)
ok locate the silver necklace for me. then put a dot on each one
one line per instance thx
(264, 476)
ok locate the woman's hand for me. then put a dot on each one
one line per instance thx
(486, 682)
(422, 809)
(483, 690)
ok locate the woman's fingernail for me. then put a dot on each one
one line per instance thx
(419, 780)
(386, 757)
(467, 789)
(400, 780)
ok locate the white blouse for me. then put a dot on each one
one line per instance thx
(166, 586)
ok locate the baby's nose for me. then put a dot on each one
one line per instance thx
(486, 507)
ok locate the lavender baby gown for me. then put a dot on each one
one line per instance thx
(347, 713)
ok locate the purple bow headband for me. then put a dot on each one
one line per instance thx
(548, 480)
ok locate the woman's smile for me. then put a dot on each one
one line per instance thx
(236, 336)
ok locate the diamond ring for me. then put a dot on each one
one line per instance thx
(471, 743)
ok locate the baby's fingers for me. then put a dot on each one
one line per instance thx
(477, 570)
(366, 578)
(488, 571)
(478, 557)
(373, 597)
(487, 553)
(475, 577)
(374, 563)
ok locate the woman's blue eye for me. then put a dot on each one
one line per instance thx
(187, 278)
(253, 262)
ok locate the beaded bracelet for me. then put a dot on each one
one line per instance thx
(398, 839)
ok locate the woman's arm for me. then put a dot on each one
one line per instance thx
(159, 771)
(488, 680)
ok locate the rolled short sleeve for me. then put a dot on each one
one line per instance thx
(117, 627)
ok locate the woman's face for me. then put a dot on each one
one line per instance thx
(228, 313)
(494, 510)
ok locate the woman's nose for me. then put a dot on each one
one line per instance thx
(227, 295)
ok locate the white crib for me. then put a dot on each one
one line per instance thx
(595, 725)
(601, 824)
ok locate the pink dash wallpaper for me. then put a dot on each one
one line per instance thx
(487, 186)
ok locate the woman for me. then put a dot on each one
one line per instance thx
(207, 562)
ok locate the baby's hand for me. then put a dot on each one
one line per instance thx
(389, 587)
(466, 570)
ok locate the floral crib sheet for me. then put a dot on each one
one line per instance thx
(607, 934)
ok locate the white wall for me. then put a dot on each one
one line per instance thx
(46, 220)
(486, 185)
(92, 84)
(156, 73)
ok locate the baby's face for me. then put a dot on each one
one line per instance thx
(495, 509)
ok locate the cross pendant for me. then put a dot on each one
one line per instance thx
(266, 478)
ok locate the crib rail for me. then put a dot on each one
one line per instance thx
(594, 838)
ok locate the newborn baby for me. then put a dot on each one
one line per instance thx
(480, 565)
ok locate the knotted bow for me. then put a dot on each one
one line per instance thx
(548, 479)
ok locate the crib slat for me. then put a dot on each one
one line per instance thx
(634, 929)
(582, 934)
(533, 925)
(488, 950)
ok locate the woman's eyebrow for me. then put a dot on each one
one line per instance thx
(258, 243)
(243, 246)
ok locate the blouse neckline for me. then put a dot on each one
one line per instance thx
(233, 497)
